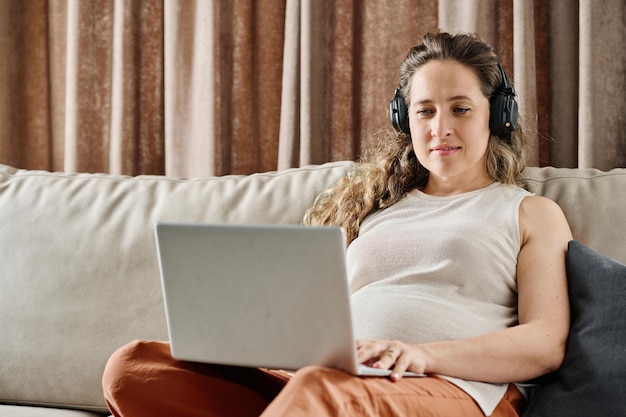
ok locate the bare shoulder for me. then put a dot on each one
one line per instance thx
(542, 218)
(541, 206)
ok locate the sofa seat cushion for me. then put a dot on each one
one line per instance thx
(26, 411)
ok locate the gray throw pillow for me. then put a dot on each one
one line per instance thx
(592, 379)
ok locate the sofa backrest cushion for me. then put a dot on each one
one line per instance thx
(78, 269)
(593, 201)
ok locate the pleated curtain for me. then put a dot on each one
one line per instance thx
(214, 87)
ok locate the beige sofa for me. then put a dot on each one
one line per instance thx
(78, 270)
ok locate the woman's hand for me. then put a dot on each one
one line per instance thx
(394, 355)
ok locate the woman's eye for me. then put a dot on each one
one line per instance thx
(461, 110)
(424, 112)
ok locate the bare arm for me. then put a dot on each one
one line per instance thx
(532, 348)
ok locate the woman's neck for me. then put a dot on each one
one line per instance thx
(438, 186)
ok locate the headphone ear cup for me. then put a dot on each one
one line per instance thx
(399, 113)
(503, 114)
(503, 109)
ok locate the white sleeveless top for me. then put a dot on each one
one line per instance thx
(439, 268)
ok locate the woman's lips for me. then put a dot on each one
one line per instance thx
(445, 150)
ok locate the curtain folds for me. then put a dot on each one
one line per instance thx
(211, 87)
(601, 81)
(340, 69)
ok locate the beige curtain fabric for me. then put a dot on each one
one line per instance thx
(113, 82)
(602, 82)
(82, 85)
(222, 85)
(340, 69)
(213, 87)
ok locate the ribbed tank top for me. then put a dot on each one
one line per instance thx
(439, 268)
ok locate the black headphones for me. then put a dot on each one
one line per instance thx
(502, 116)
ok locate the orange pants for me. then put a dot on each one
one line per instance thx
(142, 379)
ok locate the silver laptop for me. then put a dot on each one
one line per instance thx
(271, 296)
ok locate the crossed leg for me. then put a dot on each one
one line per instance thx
(142, 379)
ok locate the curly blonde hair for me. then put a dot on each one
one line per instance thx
(388, 171)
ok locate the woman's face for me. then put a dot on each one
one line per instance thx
(449, 122)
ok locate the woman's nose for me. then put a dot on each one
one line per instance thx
(441, 125)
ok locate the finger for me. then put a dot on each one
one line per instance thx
(400, 367)
(362, 343)
(367, 350)
(387, 359)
